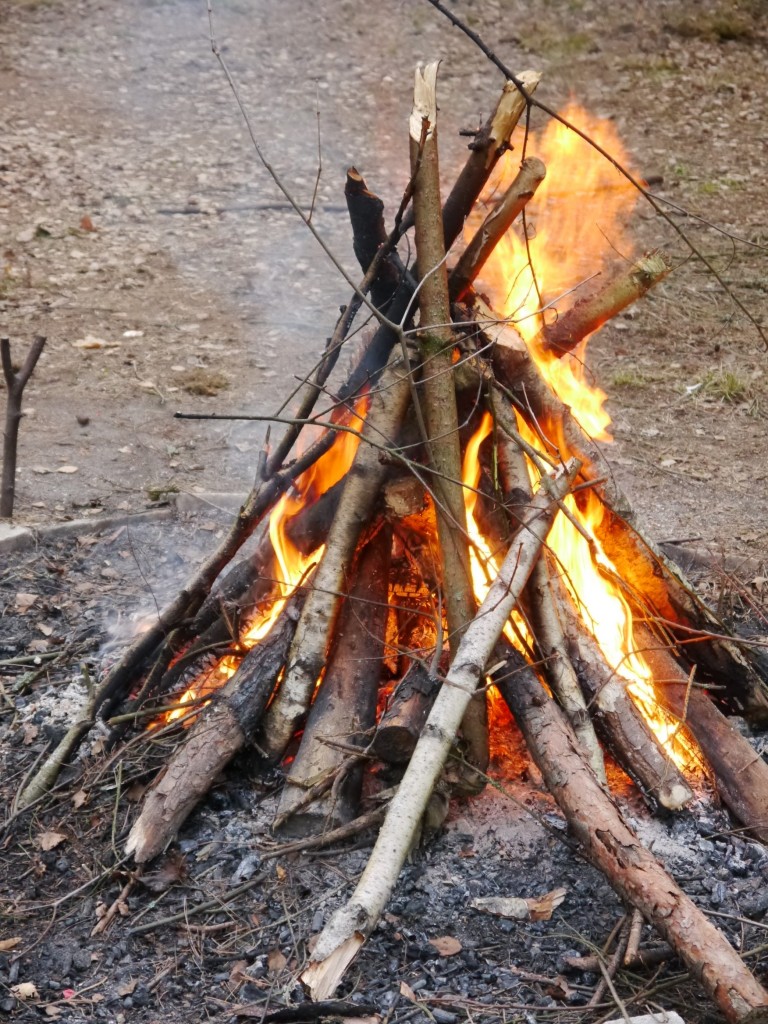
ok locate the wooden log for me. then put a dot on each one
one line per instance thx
(366, 215)
(362, 485)
(544, 618)
(345, 932)
(439, 395)
(611, 845)
(401, 724)
(590, 313)
(220, 731)
(740, 773)
(15, 382)
(531, 174)
(345, 705)
(619, 720)
(486, 149)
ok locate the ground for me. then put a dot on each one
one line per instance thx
(142, 237)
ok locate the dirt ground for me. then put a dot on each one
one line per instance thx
(140, 235)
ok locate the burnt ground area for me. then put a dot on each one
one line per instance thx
(140, 236)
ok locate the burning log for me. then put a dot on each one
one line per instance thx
(590, 313)
(402, 723)
(345, 706)
(440, 412)
(366, 215)
(220, 732)
(345, 933)
(612, 846)
(495, 226)
(740, 773)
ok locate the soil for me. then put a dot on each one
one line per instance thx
(142, 237)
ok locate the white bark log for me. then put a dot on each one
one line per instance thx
(345, 933)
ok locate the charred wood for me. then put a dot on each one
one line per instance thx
(401, 724)
(344, 708)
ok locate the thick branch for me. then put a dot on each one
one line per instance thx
(15, 384)
(495, 226)
(436, 340)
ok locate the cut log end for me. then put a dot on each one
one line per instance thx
(322, 977)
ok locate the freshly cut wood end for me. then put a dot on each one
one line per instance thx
(512, 104)
(322, 977)
(424, 100)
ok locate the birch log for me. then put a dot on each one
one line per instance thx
(345, 933)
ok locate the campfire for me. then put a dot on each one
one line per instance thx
(449, 537)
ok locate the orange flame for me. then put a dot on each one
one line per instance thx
(292, 565)
(576, 225)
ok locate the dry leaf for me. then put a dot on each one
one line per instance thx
(23, 602)
(281, 873)
(52, 1011)
(79, 798)
(30, 733)
(170, 871)
(135, 792)
(8, 944)
(128, 987)
(86, 224)
(67, 469)
(276, 961)
(44, 628)
(407, 992)
(49, 840)
(25, 990)
(90, 342)
(446, 945)
(544, 906)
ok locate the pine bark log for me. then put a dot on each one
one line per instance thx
(610, 844)
(439, 393)
(740, 773)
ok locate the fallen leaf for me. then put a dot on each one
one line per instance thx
(50, 840)
(407, 992)
(281, 873)
(446, 945)
(23, 602)
(173, 869)
(67, 469)
(276, 961)
(128, 987)
(52, 1011)
(30, 733)
(68, 993)
(41, 470)
(86, 224)
(25, 990)
(544, 906)
(110, 574)
(79, 798)
(44, 628)
(8, 944)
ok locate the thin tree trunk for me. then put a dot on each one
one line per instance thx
(436, 341)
